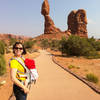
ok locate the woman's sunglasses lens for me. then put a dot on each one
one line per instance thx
(18, 48)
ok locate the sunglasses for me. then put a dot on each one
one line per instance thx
(18, 48)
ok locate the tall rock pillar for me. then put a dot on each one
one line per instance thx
(49, 26)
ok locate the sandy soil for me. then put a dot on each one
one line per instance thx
(54, 83)
(6, 89)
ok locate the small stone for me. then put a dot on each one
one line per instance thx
(2, 83)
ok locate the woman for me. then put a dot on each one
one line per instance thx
(19, 88)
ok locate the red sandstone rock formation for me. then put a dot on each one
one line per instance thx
(7, 37)
(49, 27)
(45, 8)
(77, 23)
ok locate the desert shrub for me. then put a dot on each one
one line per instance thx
(71, 66)
(92, 78)
(5, 44)
(2, 47)
(87, 49)
(44, 43)
(2, 65)
(54, 44)
(12, 41)
(7, 49)
(62, 46)
(76, 46)
(29, 44)
(32, 50)
(94, 43)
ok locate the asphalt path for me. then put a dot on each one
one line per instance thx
(54, 83)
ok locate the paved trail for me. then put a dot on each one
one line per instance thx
(54, 83)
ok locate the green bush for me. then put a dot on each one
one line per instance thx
(2, 47)
(2, 65)
(29, 44)
(7, 49)
(62, 46)
(71, 66)
(32, 50)
(5, 44)
(87, 49)
(94, 43)
(76, 46)
(12, 41)
(92, 78)
(54, 44)
(44, 43)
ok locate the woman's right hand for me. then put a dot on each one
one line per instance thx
(26, 90)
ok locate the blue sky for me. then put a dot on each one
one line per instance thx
(23, 17)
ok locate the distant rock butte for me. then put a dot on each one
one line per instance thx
(77, 23)
(49, 27)
(7, 37)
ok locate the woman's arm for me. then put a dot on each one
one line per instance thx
(13, 72)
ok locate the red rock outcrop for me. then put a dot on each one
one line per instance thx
(49, 27)
(7, 37)
(45, 8)
(77, 23)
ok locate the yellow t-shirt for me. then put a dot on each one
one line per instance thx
(15, 64)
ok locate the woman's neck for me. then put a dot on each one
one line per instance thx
(18, 55)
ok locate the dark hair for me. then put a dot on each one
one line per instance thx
(14, 46)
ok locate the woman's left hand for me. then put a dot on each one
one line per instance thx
(26, 90)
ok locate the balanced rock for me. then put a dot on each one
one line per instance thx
(49, 27)
(45, 8)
